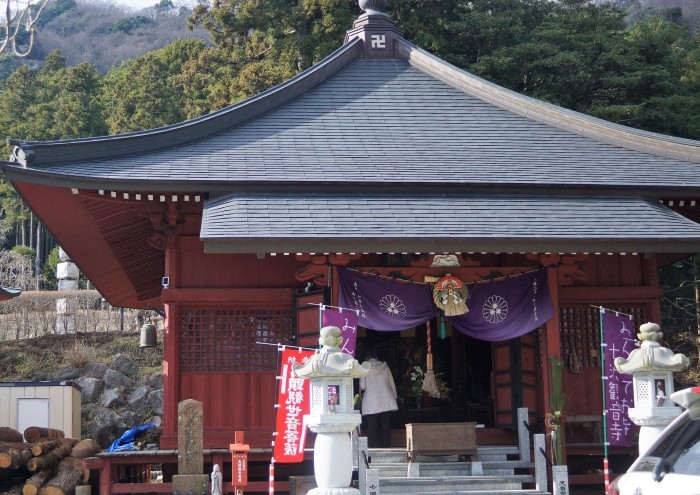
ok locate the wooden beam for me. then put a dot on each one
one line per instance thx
(247, 296)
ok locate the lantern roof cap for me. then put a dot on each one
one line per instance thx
(331, 361)
(651, 355)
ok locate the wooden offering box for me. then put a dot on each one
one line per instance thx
(441, 439)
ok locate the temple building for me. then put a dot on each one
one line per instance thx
(381, 159)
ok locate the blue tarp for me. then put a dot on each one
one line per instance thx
(126, 441)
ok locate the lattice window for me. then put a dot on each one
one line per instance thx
(349, 390)
(580, 332)
(317, 398)
(644, 388)
(232, 339)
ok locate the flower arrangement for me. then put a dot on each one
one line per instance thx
(417, 376)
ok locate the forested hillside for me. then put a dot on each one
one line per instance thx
(685, 11)
(103, 34)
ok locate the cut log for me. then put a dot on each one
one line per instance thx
(64, 482)
(34, 433)
(60, 441)
(85, 448)
(14, 458)
(75, 464)
(51, 459)
(36, 481)
(5, 446)
(43, 447)
(15, 490)
(8, 434)
(61, 484)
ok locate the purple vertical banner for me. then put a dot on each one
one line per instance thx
(618, 335)
(346, 320)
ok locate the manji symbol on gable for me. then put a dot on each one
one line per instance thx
(377, 41)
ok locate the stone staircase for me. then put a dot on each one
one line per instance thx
(498, 470)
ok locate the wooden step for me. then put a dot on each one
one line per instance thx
(435, 469)
(452, 484)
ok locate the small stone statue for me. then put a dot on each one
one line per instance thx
(216, 479)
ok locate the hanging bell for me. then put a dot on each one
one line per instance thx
(149, 337)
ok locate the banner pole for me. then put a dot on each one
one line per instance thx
(276, 406)
(606, 472)
(271, 479)
(322, 306)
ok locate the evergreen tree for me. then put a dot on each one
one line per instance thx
(656, 89)
(268, 42)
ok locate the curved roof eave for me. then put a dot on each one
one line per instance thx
(45, 177)
(547, 113)
(173, 136)
(397, 222)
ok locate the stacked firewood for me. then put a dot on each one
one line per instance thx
(42, 462)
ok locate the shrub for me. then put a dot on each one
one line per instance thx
(79, 355)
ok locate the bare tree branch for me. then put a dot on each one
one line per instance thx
(20, 17)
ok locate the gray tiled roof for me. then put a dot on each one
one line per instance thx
(405, 223)
(386, 122)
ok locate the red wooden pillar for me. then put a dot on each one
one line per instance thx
(649, 268)
(551, 343)
(171, 351)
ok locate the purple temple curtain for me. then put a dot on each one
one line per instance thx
(385, 304)
(503, 310)
(498, 310)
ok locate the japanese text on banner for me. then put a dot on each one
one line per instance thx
(346, 320)
(292, 405)
(619, 395)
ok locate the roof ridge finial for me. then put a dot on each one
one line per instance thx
(376, 29)
(373, 6)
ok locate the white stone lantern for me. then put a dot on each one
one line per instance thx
(652, 367)
(332, 416)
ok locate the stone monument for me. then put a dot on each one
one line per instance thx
(651, 367)
(332, 416)
(190, 450)
(67, 274)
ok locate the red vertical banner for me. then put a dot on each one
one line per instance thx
(292, 404)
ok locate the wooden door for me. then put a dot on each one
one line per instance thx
(308, 316)
(514, 379)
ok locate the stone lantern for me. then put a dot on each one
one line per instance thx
(652, 367)
(332, 415)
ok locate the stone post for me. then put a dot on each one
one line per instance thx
(560, 480)
(190, 450)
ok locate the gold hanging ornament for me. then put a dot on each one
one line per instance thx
(450, 295)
